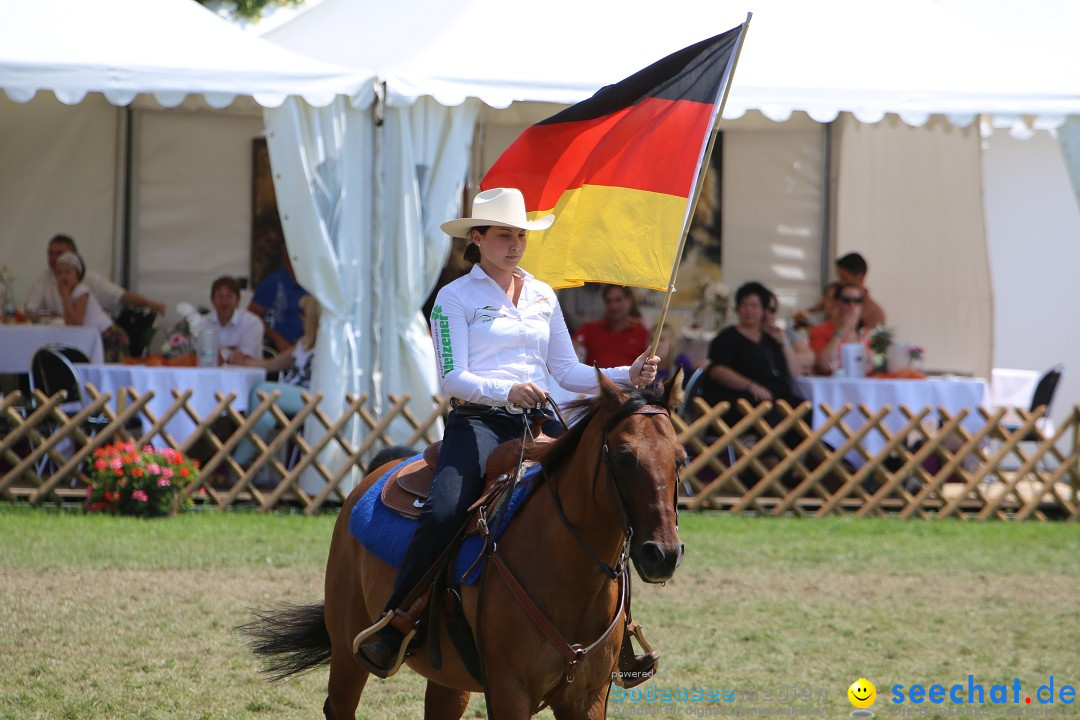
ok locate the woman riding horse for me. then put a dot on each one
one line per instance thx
(552, 609)
(498, 333)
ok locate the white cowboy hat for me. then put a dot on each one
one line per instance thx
(498, 206)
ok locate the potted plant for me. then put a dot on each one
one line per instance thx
(179, 347)
(915, 357)
(879, 340)
(145, 482)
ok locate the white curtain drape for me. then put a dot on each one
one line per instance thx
(425, 151)
(361, 200)
(1069, 137)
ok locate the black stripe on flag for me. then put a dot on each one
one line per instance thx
(692, 74)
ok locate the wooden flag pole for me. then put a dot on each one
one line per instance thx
(703, 165)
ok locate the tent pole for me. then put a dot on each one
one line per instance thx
(123, 252)
(828, 239)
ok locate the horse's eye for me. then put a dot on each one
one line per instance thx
(624, 457)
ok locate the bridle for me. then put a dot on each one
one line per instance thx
(574, 654)
(605, 458)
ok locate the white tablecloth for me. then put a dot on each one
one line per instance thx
(950, 394)
(1012, 389)
(162, 379)
(18, 343)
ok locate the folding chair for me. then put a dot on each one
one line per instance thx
(52, 371)
(695, 387)
(1043, 397)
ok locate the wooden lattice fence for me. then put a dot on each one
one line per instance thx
(934, 465)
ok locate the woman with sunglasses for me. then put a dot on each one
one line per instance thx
(843, 326)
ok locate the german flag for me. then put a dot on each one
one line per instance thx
(618, 170)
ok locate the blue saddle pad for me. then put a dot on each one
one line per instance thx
(387, 534)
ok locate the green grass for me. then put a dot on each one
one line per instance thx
(105, 617)
(42, 539)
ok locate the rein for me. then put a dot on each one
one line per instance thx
(576, 653)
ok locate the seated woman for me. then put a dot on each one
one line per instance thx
(843, 326)
(294, 365)
(82, 308)
(746, 362)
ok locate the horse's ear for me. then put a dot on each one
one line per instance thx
(673, 392)
(609, 392)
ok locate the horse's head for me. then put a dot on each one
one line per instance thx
(643, 458)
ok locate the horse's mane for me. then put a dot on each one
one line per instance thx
(550, 455)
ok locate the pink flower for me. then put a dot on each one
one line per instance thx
(116, 464)
(153, 469)
(163, 482)
(139, 495)
(176, 340)
(166, 472)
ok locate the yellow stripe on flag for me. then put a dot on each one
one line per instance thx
(637, 229)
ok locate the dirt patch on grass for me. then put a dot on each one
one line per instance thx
(149, 644)
(160, 644)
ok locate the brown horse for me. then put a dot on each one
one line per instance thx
(614, 472)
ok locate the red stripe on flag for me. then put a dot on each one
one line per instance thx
(653, 146)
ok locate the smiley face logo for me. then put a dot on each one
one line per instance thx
(862, 693)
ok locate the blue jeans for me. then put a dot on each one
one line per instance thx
(469, 438)
(290, 403)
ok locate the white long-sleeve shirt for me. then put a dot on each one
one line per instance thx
(243, 331)
(484, 345)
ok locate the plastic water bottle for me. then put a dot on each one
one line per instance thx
(207, 346)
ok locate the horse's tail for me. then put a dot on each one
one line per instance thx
(391, 453)
(291, 639)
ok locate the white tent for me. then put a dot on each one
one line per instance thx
(910, 57)
(75, 162)
(385, 178)
(170, 48)
(83, 170)
(910, 199)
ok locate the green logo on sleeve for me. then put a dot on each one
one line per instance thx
(443, 347)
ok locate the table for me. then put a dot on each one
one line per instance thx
(204, 382)
(952, 394)
(18, 343)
